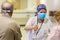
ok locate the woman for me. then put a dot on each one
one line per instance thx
(38, 26)
(55, 33)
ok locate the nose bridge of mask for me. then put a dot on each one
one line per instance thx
(41, 15)
(6, 11)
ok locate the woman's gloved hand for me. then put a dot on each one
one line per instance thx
(35, 27)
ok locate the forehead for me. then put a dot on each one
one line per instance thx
(42, 10)
(6, 5)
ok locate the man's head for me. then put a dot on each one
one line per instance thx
(7, 9)
(41, 11)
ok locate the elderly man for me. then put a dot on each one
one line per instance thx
(9, 29)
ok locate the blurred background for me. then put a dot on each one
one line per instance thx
(24, 9)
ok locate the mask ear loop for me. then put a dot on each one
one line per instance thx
(37, 17)
(40, 26)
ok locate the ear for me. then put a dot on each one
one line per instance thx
(1, 10)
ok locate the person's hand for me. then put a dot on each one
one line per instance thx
(35, 27)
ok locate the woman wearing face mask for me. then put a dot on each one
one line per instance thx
(38, 26)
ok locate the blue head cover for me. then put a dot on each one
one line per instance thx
(41, 6)
(41, 15)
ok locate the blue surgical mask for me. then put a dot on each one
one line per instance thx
(41, 15)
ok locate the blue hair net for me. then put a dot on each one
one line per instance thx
(41, 6)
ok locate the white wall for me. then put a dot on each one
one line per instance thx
(1, 1)
(24, 4)
(32, 4)
(53, 4)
